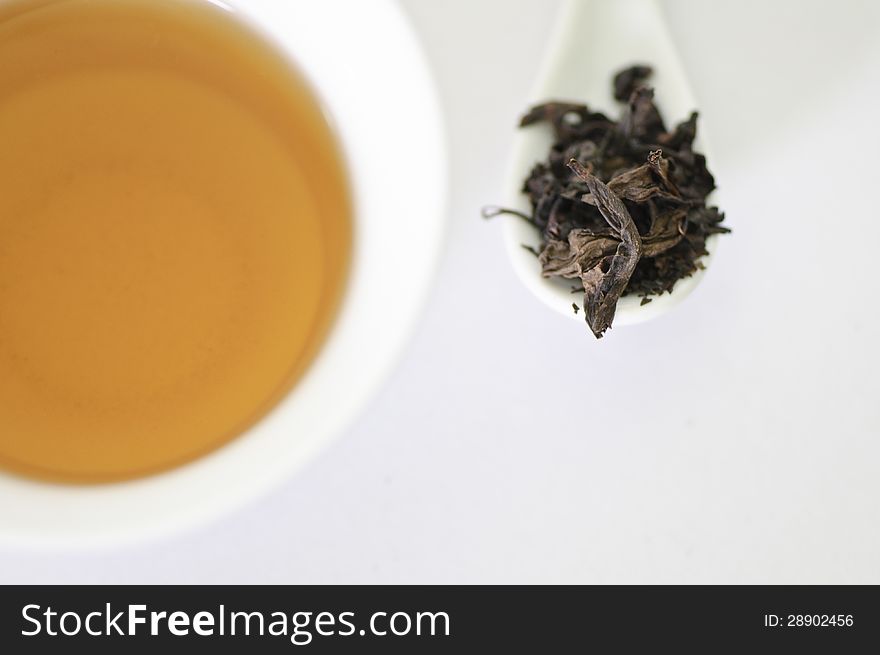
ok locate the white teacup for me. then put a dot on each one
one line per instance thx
(366, 66)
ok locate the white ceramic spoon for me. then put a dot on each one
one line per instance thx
(594, 40)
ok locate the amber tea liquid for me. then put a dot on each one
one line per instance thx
(175, 228)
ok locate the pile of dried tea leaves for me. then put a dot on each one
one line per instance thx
(621, 205)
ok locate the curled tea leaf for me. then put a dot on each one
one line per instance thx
(605, 282)
(628, 80)
(580, 252)
(569, 120)
(641, 120)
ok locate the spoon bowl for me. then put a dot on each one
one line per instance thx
(593, 41)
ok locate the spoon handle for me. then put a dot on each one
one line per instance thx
(596, 38)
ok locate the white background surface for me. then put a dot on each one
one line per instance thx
(734, 440)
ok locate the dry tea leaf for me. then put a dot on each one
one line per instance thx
(604, 283)
(621, 205)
